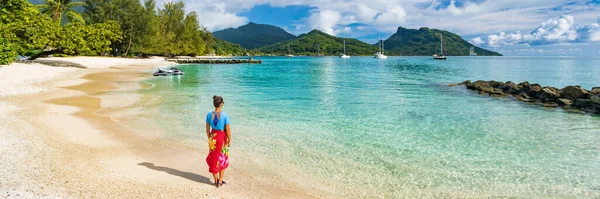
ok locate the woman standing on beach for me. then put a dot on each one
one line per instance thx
(219, 136)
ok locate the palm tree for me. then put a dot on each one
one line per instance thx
(56, 9)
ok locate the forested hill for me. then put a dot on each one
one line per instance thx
(317, 41)
(425, 41)
(254, 35)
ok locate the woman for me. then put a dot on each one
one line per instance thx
(219, 136)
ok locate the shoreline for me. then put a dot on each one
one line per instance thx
(86, 152)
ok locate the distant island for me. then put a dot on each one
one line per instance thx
(271, 40)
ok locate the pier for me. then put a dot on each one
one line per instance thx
(213, 61)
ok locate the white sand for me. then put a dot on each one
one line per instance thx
(76, 151)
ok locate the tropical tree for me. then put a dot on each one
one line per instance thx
(57, 8)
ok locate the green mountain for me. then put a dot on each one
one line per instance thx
(222, 47)
(254, 35)
(425, 41)
(317, 41)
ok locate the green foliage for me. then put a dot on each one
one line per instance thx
(316, 41)
(58, 8)
(127, 13)
(222, 47)
(80, 39)
(7, 52)
(179, 34)
(254, 35)
(24, 26)
(425, 41)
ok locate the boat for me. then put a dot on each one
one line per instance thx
(171, 71)
(441, 55)
(344, 56)
(289, 52)
(472, 51)
(380, 54)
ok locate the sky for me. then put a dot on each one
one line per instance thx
(511, 27)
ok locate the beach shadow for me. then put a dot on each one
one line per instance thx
(187, 175)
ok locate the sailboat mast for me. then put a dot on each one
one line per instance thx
(344, 47)
(382, 48)
(441, 45)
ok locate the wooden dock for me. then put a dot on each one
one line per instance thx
(213, 61)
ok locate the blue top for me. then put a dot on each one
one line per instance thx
(220, 121)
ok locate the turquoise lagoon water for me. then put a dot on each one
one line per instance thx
(366, 128)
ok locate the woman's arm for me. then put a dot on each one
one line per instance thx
(228, 134)
(207, 129)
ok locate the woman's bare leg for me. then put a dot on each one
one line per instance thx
(221, 173)
(215, 178)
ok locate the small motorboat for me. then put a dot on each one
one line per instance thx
(171, 71)
(176, 71)
(160, 73)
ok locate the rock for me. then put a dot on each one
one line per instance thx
(452, 85)
(564, 102)
(511, 88)
(582, 103)
(476, 85)
(534, 91)
(486, 88)
(574, 92)
(595, 91)
(551, 104)
(524, 86)
(465, 82)
(496, 84)
(595, 99)
(549, 94)
(590, 110)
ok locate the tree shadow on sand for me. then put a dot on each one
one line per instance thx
(187, 175)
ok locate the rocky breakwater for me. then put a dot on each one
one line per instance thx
(570, 97)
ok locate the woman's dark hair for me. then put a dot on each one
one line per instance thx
(217, 101)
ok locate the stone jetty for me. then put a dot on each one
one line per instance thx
(213, 61)
(570, 97)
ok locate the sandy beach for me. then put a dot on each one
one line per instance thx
(62, 135)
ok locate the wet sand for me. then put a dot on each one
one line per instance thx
(68, 138)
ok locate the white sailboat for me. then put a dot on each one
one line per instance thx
(289, 52)
(344, 56)
(380, 54)
(472, 51)
(441, 55)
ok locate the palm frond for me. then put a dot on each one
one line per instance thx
(74, 4)
(74, 16)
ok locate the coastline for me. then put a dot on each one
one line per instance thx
(65, 132)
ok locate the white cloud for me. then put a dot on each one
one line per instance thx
(552, 31)
(324, 20)
(391, 19)
(216, 16)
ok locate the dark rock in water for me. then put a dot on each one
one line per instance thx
(524, 86)
(486, 88)
(574, 92)
(591, 110)
(595, 99)
(595, 91)
(564, 102)
(496, 84)
(549, 94)
(476, 85)
(511, 88)
(551, 104)
(582, 103)
(535, 91)
(572, 98)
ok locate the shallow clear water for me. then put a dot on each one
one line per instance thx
(393, 128)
